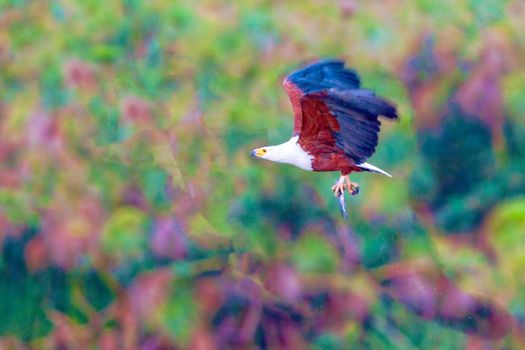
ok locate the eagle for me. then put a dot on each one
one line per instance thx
(336, 123)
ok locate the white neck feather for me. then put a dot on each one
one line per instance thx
(290, 152)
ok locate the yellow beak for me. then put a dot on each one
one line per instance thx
(259, 152)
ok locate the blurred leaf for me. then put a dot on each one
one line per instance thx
(505, 227)
(489, 11)
(179, 314)
(154, 184)
(51, 86)
(98, 293)
(327, 341)
(16, 208)
(105, 53)
(21, 297)
(124, 234)
(313, 254)
(379, 247)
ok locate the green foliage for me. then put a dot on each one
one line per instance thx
(507, 223)
(125, 234)
(23, 297)
(327, 341)
(97, 291)
(487, 12)
(379, 249)
(460, 154)
(179, 314)
(313, 254)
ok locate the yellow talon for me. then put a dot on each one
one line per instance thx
(338, 189)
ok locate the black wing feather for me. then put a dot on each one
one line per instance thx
(357, 112)
(325, 75)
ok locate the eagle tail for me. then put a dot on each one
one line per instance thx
(372, 168)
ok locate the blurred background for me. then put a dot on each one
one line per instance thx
(132, 217)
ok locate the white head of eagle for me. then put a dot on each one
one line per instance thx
(336, 123)
(289, 152)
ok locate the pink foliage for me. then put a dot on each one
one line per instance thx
(79, 74)
(36, 255)
(71, 229)
(148, 292)
(42, 132)
(168, 240)
(136, 110)
(284, 281)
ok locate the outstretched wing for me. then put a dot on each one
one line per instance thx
(331, 110)
(316, 77)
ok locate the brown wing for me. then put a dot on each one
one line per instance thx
(295, 94)
(318, 125)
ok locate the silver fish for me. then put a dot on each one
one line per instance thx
(342, 207)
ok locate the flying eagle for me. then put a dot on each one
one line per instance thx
(336, 123)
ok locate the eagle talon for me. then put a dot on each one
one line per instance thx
(353, 188)
(338, 189)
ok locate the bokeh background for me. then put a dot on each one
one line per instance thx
(132, 217)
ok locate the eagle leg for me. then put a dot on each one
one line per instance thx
(345, 183)
(339, 187)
